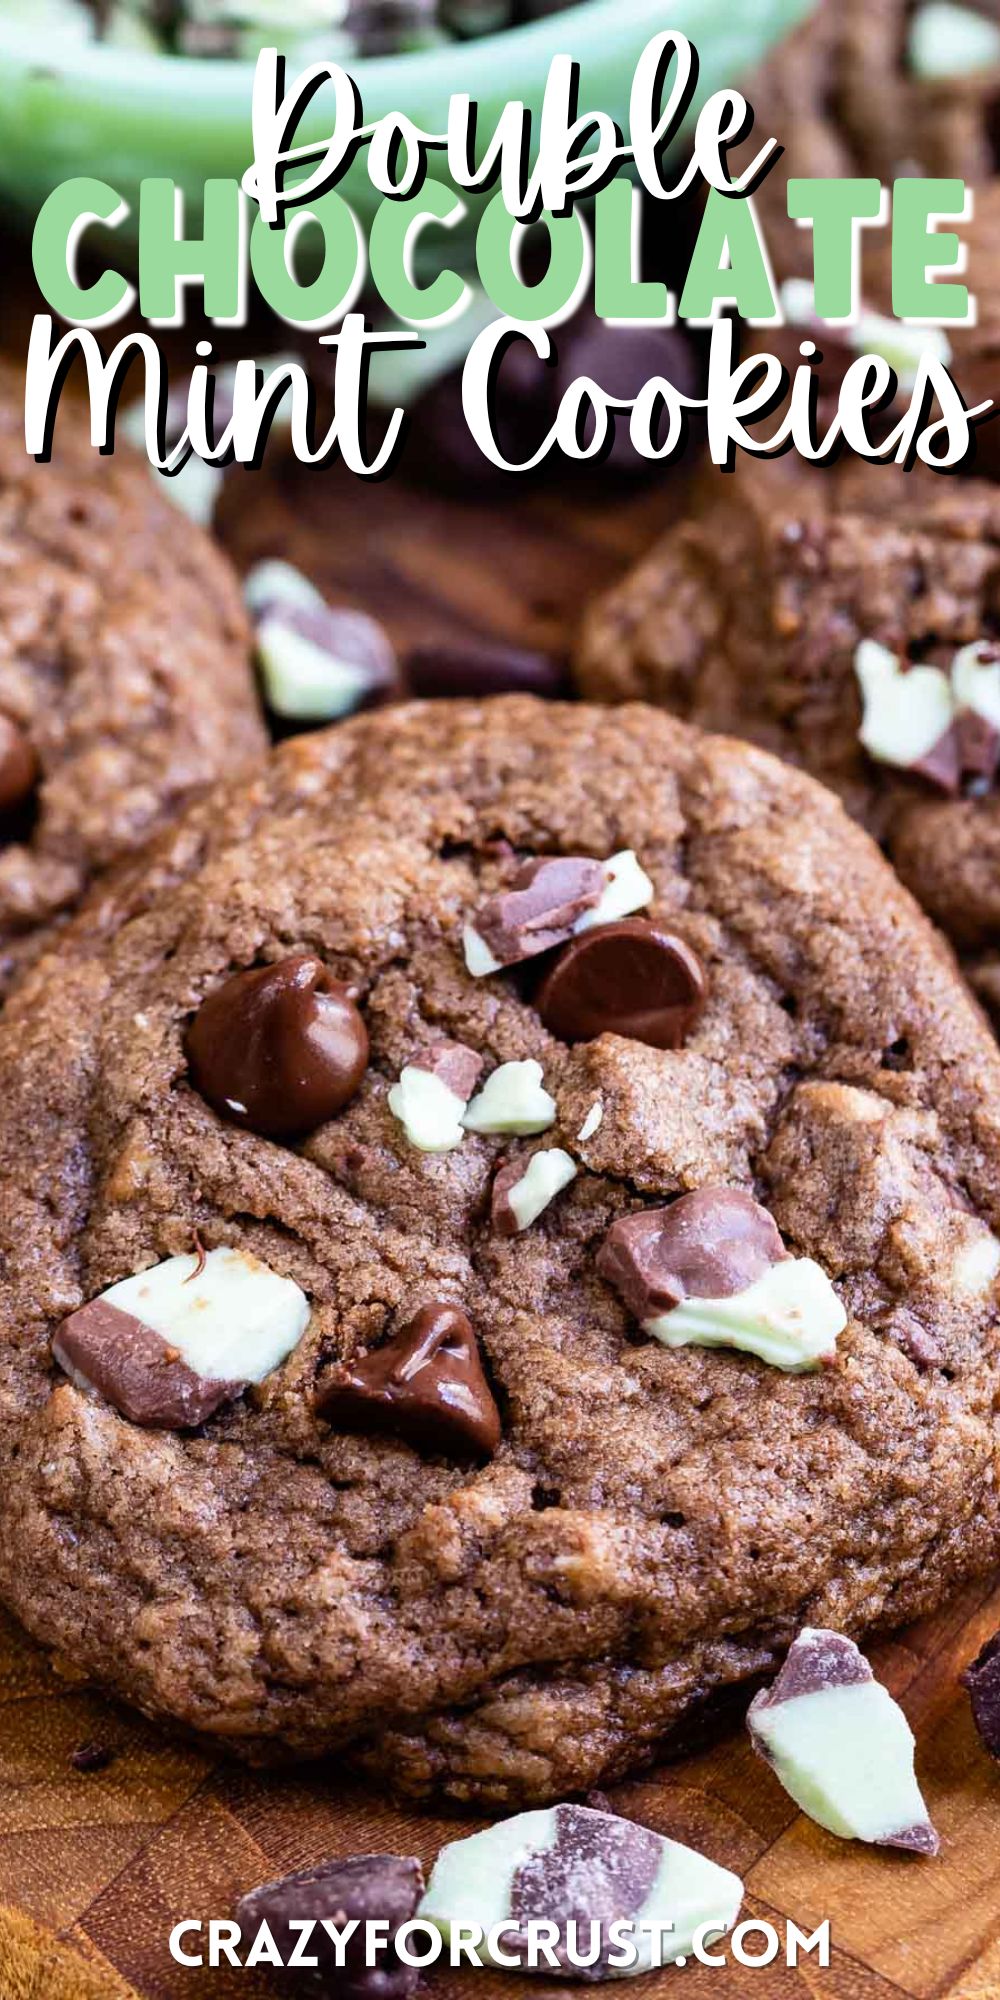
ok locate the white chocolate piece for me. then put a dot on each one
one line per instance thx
(473, 1881)
(234, 1320)
(543, 1178)
(975, 683)
(628, 889)
(513, 1100)
(841, 1746)
(305, 681)
(789, 1317)
(479, 959)
(429, 1112)
(946, 40)
(276, 582)
(905, 714)
(592, 1122)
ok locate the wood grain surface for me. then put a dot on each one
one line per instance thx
(108, 1859)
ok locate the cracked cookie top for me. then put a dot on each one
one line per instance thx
(125, 682)
(485, 1423)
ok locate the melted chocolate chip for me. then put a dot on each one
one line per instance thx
(708, 1245)
(626, 978)
(480, 670)
(597, 1869)
(18, 766)
(426, 1385)
(369, 1888)
(538, 910)
(983, 1682)
(817, 1660)
(280, 1049)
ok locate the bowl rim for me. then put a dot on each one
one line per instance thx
(586, 22)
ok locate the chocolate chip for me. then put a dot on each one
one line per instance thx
(983, 1682)
(523, 1188)
(546, 896)
(365, 1888)
(476, 670)
(322, 661)
(819, 1659)
(711, 1244)
(621, 360)
(628, 978)
(18, 766)
(280, 1049)
(426, 1385)
(111, 1352)
(92, 1757)
(454, 1065)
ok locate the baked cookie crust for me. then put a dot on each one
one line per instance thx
(124, 663)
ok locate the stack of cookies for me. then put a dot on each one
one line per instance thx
(500, 1199)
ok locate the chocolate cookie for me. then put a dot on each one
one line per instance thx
(540, 1382)
(125, 685)
(756, 615)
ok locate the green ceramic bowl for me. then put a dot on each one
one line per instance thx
(123, 116)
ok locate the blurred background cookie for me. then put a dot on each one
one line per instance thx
(125, 679)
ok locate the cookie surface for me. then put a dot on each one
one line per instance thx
(124, 665)
(507, 1621)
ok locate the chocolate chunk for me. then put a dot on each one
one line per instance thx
(711, 1244)
(916, 1343)
(841, 1746)
(112, 1352)
(432, 1093)
(817, 1660)
(538, 910)
(426, 1385)
(280, 1049)
(983, 1682)
(18, 766)
(365, 1888)
(320, 662)
(476, 669)
(170, 1344)
(627, 978)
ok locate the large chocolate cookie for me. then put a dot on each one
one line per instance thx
(125, 684)
(537, 1455)
(749, 617)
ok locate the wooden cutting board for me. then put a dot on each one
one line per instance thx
(110, 1859)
